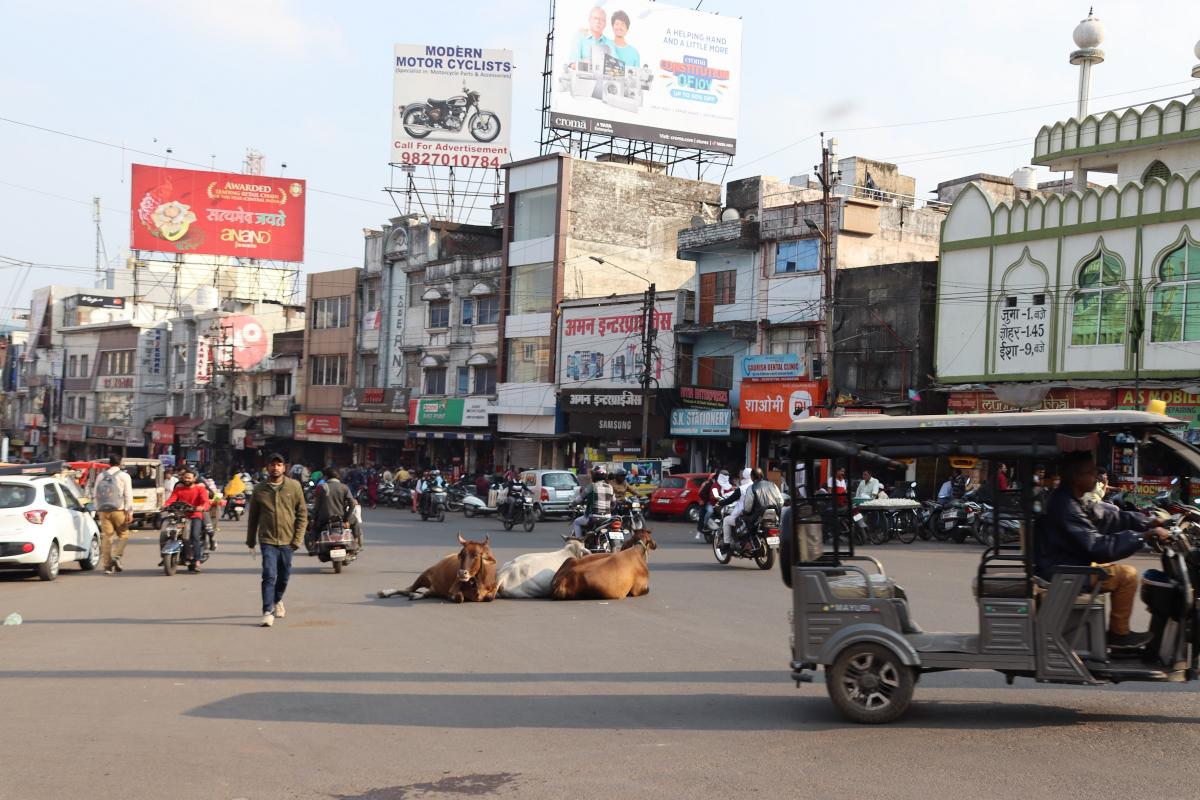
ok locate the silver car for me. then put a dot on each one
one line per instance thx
(553, 490)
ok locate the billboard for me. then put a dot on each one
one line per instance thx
(772, 367)
(469, 412)
(217, 213)
(650, 71)
(775, 406)
(451, 106)
(602, 345)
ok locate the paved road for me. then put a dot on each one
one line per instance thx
(143, 686)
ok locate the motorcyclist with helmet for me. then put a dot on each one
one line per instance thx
(597, 501)
(619, 484)
(432, 480)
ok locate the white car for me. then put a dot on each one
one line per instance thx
(43, 523)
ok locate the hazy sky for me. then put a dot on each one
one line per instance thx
(310, 84)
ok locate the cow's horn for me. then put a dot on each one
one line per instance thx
(461, 540)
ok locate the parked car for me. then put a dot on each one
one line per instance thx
(553, 490)
(44, 522)
(678, 496)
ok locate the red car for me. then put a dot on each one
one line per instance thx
(678, 495)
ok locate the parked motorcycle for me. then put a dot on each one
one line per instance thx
(518, 508)
(423, 118)
(432, 504)
(457, 492)
(760, 542)
(335, 544)
(175, 537)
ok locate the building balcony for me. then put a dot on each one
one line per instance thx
(738, 234)
(743, 329)
(276, 405)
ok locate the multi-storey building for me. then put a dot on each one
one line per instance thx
(328, 368)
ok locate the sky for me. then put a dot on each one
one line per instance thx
(942, 89)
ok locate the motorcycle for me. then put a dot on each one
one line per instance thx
(518, 507)
(175, 537)
(604, 534)
(760, 542)
(421, 119)
(235, 507)
(630, 512)
(457, 493)
(335, 543)
(432, 504)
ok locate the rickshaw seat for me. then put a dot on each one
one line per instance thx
(852, 587)
(1001, 586)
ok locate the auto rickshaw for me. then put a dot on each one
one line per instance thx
(849, 617)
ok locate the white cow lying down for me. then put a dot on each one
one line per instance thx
(531, 574)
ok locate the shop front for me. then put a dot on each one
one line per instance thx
(375, 423)
(605, 425)
(701, 423)
(103, 439)
(452, 434)
(320, 441)
(70, 440)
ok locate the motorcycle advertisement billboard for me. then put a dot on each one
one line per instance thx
(217, 213)
(451, 106)
(650, 71)
(601, 346)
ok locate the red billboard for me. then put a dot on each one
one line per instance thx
(775, 406)
(217, 213)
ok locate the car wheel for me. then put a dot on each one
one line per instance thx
(539, 513)
(692, 514)
(48, 569)
(92, 559)
(869, 684)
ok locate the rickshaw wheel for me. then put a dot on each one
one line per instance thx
(869, 684)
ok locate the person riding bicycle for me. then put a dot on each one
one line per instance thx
(597, 502)
(334, 499)
(196, 495)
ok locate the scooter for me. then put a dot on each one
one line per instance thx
(335, 544)
(175, 538)
(432, 504)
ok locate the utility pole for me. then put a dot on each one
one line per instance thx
(649, 334)
(829, 178)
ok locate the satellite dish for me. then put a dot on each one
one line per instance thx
(698, 222)
(751, 216)
(730, 214)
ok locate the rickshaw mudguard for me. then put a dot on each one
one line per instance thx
(873, 634)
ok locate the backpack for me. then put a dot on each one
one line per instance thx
(109, 496)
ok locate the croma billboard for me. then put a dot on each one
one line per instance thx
(649, 71)
(217, 213)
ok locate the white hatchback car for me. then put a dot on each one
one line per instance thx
(43, 523)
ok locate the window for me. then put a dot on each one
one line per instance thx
(70, 408)
(368, 372)
(83, 366)
(532, 288)
(435, 380)
(1157, 169)
(803, 255)
(468, 311)
(1098, 313)
(487, 310)
(73, 502)
(16, 495)
(485, 380)
(50, 492)
(1177, 298)
(439, 314)
(327, 371)
(416, 288)
(685, 353)
(533, 213)
(529, 360)
(798, 341)
(726, 287)
(331, 312)
(116, 362)
(412, 373)
(82, 409)
(716, 371)
(372, 299)
(716, 289)
(283, 383)
(73, 366)
(462, 382)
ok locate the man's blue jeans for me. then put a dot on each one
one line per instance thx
(276, 569)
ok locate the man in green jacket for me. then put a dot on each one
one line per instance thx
(276, 518)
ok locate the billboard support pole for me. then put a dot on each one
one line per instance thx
(649, 332)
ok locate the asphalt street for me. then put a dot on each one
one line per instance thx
(145, 686)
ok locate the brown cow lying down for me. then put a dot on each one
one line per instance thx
(469, 575)
(607, 577)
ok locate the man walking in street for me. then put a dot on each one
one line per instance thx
(276, 519)
(114, 502)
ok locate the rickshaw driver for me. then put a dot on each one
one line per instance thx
(1071, 538)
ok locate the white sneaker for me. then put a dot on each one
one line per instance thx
(280, 611)
(699, 536)
(268, 620)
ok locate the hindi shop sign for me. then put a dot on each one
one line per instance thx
(602, 402)
(467, 412)
(1023, 337)
(775, 406)
(703, 397)
(217, 213)
(318, 428)
(602, 345)
(701, 421)
(772, 367)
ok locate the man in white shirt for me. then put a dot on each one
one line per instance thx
(114, 507)
(868, 487)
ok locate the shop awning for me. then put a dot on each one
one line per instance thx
(461, 436)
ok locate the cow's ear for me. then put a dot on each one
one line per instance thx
(461, 540)
(565, 538)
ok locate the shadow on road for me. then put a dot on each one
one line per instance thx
(694, 712)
